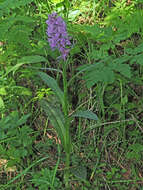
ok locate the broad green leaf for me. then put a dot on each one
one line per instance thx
(26, 60)
(52, 83)
(86, 114)
(56, 118)
(32, 59)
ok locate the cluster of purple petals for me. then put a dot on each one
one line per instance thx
(57, 34)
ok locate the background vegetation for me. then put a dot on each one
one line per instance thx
(105, 75)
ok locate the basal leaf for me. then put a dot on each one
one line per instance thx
(56, 118)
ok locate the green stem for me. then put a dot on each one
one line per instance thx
(66, 175)
(65, 106)
(67, 123)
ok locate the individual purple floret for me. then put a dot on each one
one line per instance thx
(57, 34)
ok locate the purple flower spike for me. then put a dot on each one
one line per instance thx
(57, 35)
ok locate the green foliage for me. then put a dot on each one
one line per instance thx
(11, 93)
(57, 119)
(135, 151)
(15, 29)
(106, 57)
(80, 172)
(42, 180)
(15, 139)
(86, 114)
(104, 71)
(51, 82)
(7, 5)
(25, 60)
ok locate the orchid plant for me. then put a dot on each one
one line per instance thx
(60, 119)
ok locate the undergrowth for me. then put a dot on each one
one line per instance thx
(104, 75)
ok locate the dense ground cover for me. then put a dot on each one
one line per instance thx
(74, 123)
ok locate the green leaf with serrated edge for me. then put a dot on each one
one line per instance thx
(56, 118)
(52, 83)
(86, 114)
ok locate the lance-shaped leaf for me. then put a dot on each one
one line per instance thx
(52, 83)
(56, 118)
(25, 60)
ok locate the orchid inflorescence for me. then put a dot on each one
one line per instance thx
(57, 35)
